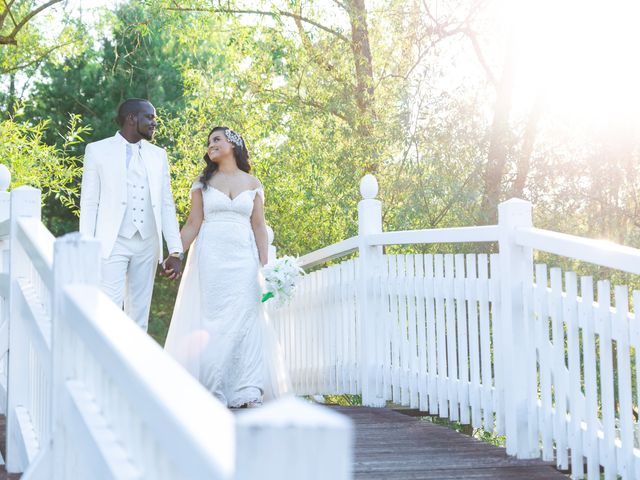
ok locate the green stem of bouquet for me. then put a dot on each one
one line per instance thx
(267, 296)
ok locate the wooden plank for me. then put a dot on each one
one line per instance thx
(390, 445)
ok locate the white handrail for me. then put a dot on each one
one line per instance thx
(598, 252)
(329, 253)
(186, 421)
(37, 243)
(488, 233)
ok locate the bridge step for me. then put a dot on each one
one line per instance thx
(393, 446)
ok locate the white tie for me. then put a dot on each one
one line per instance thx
(129, 153)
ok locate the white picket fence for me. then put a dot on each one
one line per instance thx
(90, 395)
(477, 338)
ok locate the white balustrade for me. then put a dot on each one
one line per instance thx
(493, 341)
(30, 291)
(477, 338)
(90, 395)
(5, 223)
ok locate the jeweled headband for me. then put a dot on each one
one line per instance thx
(233, 137)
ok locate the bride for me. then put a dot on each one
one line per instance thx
(219, 330)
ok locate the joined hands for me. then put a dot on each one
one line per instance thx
(171, 268)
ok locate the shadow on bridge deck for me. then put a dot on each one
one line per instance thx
(393, 446)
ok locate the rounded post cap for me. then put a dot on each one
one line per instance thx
(5, 178)
(368, 187)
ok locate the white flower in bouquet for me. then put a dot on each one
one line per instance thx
(280, 279)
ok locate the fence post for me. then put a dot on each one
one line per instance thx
(513, 350)
(25, 202)
(5, 210)
(369, 222)
(293, 439)
(76, 260)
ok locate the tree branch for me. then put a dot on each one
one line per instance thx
(316, 55)
(6, 11)
(35, 61)
(483, 62)
(11, 38)
(278, 13)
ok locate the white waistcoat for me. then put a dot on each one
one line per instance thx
(138, 216)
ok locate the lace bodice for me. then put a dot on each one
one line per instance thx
(218, 205)
(218, 330)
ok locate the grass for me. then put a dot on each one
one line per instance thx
(164, 296)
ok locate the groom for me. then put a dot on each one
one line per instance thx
(126, 203)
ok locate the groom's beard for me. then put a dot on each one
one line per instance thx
(146, 134)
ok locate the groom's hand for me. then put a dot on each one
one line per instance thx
(172, 267)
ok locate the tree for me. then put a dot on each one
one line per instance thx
(35, 163)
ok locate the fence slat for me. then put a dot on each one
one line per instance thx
(432, 359)
(590, 376)
(421, 323)
(452, 347)
(576, 398)
(498, 394)
(485, 342)
(412, 331)
(621, 326)
(559, 370)
(608, 458)
(441, 337)
(474, 342)
(462, 339)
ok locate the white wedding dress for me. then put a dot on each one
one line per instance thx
(219, 331)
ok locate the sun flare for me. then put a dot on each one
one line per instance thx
(582, 57)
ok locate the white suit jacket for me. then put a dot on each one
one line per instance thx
(103, 197)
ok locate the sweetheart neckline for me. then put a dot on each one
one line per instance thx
(228, 197)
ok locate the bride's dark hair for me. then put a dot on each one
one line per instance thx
(240, 153)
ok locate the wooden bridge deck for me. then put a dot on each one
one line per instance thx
(393, 446)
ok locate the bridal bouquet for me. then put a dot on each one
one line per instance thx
(280, 278)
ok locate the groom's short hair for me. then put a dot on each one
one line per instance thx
(128, 107)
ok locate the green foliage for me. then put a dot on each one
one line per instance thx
(33, 162)
(291, 87)
(138, 58)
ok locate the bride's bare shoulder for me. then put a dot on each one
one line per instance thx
(252, 181)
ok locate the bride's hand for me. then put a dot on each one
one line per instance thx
(172, 267)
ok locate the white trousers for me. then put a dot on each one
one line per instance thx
(128, 274)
